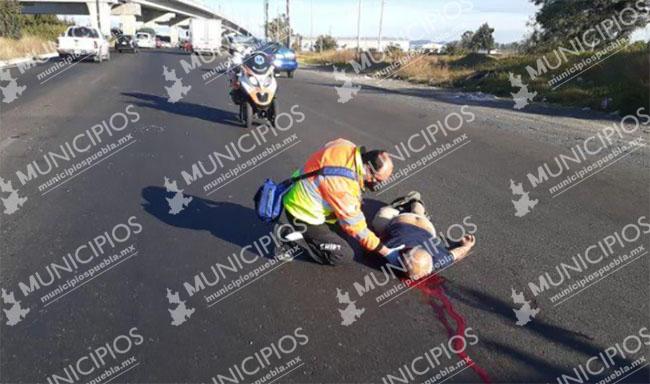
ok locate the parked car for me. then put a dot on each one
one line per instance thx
(145, 40)
(187, 46)
(116, 32)
(82, 42)
(239, 43)
(165, 41)
(126, 43)
(284, 59)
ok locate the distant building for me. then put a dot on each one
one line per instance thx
(366, 43)
(494, 51)
(430, 47)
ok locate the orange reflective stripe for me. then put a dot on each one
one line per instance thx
(354, 219)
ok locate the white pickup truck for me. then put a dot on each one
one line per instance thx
(83, 42)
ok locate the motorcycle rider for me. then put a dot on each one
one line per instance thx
(236, 61)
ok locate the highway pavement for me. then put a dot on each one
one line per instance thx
(137, 257)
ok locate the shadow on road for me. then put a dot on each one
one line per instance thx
(203, 112)
(569, 339)
(231, 222)
(543, 368)
(234, 223)
(166, 51)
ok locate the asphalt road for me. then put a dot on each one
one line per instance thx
(290, 312)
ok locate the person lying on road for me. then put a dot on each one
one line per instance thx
(405, 223)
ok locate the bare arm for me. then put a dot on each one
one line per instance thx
(466, 245)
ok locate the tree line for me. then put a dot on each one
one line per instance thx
(558, 22)
(13, 24)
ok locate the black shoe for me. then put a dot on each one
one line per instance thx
(287, 249)
(402, 202)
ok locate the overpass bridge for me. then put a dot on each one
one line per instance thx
(173, 13)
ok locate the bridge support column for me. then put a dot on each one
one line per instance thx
(129, 24)
(128, 13)
(103, 21)
(173, 35)
(174, 25)
(154, 18)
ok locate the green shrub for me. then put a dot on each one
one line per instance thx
(10, 19)
(14, 25)
(324, 43)
(623, 79)
(47, 27)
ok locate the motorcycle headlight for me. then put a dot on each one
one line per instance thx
(253, 81)
(267, 82)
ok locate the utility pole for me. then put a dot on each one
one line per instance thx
(381, 20)
(99, 18)
(359, 29)
(288, 25)
(311, 17)
(276, 30)
(266, 19)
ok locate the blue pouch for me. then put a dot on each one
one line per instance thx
(268, 199)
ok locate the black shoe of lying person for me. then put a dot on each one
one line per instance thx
(402, 203)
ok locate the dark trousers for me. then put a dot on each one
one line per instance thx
(326, 243)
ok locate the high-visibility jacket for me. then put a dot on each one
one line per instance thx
(320, 199)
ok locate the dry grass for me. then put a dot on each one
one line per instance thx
(623, 78)
(433, 70)
(27, 46)
(327, 57)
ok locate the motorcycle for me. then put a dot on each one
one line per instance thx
(254, 89)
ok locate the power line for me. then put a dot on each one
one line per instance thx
(381, 21)
(359, 28)
(288, 25)
(266, 19)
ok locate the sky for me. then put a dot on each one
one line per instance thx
(437, 20)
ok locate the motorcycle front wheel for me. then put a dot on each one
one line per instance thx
(272, 112)
(246, 114)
